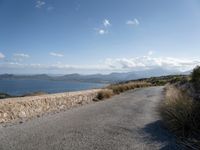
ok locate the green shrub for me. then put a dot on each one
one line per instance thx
(196, 78)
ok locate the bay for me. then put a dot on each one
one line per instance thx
(21, 87)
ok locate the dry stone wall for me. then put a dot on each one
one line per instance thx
(32, 106)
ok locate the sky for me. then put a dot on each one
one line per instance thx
(98, 36)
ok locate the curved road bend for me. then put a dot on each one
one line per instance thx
(125, 122)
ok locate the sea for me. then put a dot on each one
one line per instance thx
(21, 87)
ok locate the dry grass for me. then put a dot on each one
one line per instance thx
(104, 94)
(114, 89)
(181, 114)
(176, 111)
(119, 88)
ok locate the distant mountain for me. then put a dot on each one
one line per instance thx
(12, 76)
(187, 72)
(156, 72)
(113, 77)
(99, 78)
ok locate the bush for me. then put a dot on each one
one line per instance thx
(196, 78)
(119, 88)
(104, 94)
(181, 114)
(4, 95)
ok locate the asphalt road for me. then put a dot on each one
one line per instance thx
(125, 122)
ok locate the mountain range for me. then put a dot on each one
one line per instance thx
(96, 78)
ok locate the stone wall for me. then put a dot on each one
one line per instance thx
(32, 106)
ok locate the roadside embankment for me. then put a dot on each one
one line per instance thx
(33, 106)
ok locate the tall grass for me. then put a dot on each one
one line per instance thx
(196, 78)
(181, 114)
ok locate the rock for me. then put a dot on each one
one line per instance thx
(22, 114)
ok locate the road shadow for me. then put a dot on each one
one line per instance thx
(158, 133)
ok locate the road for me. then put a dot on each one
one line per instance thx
(128, 121)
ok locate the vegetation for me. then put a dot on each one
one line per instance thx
(34, 94)
(181, 111)
(104, 94)
(195, 78)
(178, 113)
(119, 88)
(4, 95)
(163, 80)
(114, 89)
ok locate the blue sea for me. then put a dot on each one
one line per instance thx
(20, 87)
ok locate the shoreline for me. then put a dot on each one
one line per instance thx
(21, 88)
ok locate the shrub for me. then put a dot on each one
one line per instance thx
(4, 95)
(196, 78)
(119, 88)
(122, 87)
(104, 94)
(181, 114)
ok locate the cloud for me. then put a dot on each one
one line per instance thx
(22, 55)
(148, 62)
(104, 27)
(109, 65)
(134, 22)
(2, 56)
(102, 31)
(56, 54)
(150, 53)
(50, 8)
(17, 57)
(59, 67)
(39, 4)
(106, 23)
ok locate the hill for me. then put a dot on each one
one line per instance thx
(95, 78)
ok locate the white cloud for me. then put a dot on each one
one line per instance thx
(102, 31)
(17, 57)
(39, 4)
(21, 55)
(2, 55)
(61, 67)
(148, 62)
(56, 54)
(150, 53)
(106, 23)
(104, 27)
(134, 22)
(108, 65)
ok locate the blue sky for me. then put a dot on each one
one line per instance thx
(98, 36)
